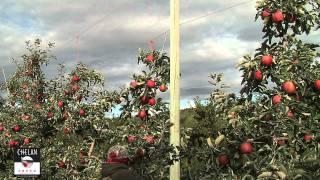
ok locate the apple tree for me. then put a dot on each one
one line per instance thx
(272, 129)
(279, 136)
(144, 120)
(63, 116)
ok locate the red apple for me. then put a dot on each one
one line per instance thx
(317, 84)
(290, 114)
(289, 87)
(60, 104)
(82, 112)
(12, 143)
(144, 100)
(266, 60)
(276, 99)
(150, 58)
(277, 16)
(16, 128)
(1, 128)
(75, 88)
(163, 88)
(308, 137)
(151, 84)
(152, 101)
(61, 164)
(65, 115)
(75, 78)
(16, 143)
(142, 114)
(50, 115)
(265, 13)
(66, 92)
(149, 139)
(246, 148)
(131, 138)
(66, 130)
(37, 106)
(223, 160)
(258, 75)
(25, 117)
(281, 142)
(133, 84)
(27, 141)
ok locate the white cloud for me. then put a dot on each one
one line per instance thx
(209, 49)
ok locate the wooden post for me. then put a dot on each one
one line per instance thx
(175, 82)
(91, 148)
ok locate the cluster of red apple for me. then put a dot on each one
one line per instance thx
(14, 143)
(267, 62)
(74, 88)
(61, 104)
(27, 96)
(148, 138)
(245, 148)
(277, 16)
(145, 99)
(149, 85)
(288, 86)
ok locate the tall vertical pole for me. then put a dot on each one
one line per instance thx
(175, 83)
(5, 79)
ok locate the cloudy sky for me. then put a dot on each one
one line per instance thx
(111, 32)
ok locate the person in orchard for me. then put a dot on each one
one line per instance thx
(117, 165)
